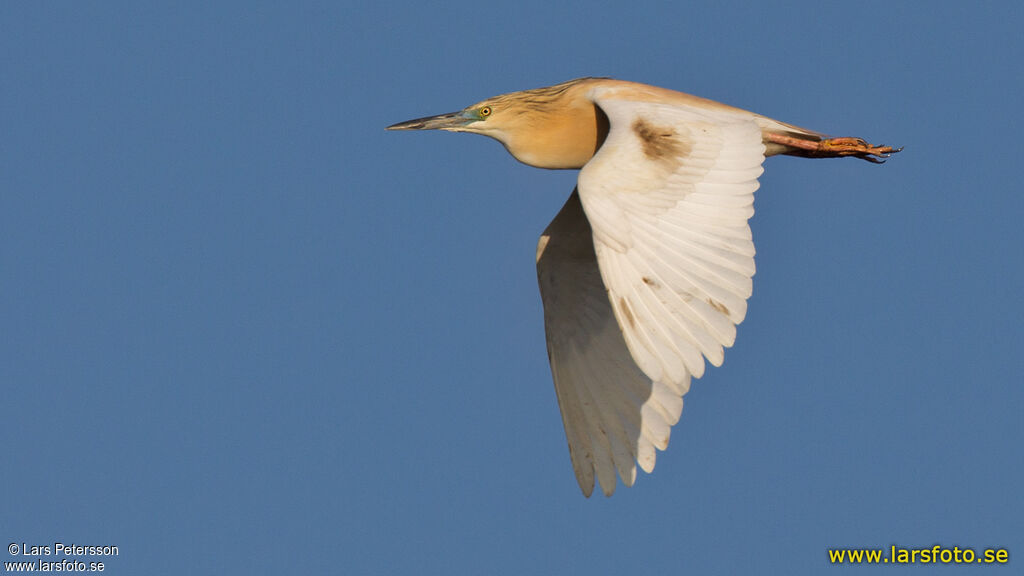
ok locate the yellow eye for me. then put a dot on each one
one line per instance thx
(485, 111)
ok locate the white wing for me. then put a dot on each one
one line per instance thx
(667, 196)
(614, 416)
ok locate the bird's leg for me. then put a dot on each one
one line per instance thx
(832, 147)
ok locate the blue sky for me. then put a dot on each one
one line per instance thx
(247, 330)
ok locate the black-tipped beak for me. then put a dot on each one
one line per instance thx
(449, 121)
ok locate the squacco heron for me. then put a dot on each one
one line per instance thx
(646, 270)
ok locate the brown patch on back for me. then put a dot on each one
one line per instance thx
(627, 313)
(718, 306)
(660, 144)
(649, 282)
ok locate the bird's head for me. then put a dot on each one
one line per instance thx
(554, 127)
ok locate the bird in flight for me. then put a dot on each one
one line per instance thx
(646, 270)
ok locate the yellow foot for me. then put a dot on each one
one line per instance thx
(837, 147)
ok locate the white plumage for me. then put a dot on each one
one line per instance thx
(672, 246)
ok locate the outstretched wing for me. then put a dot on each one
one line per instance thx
(613, 414)
(667, 196)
